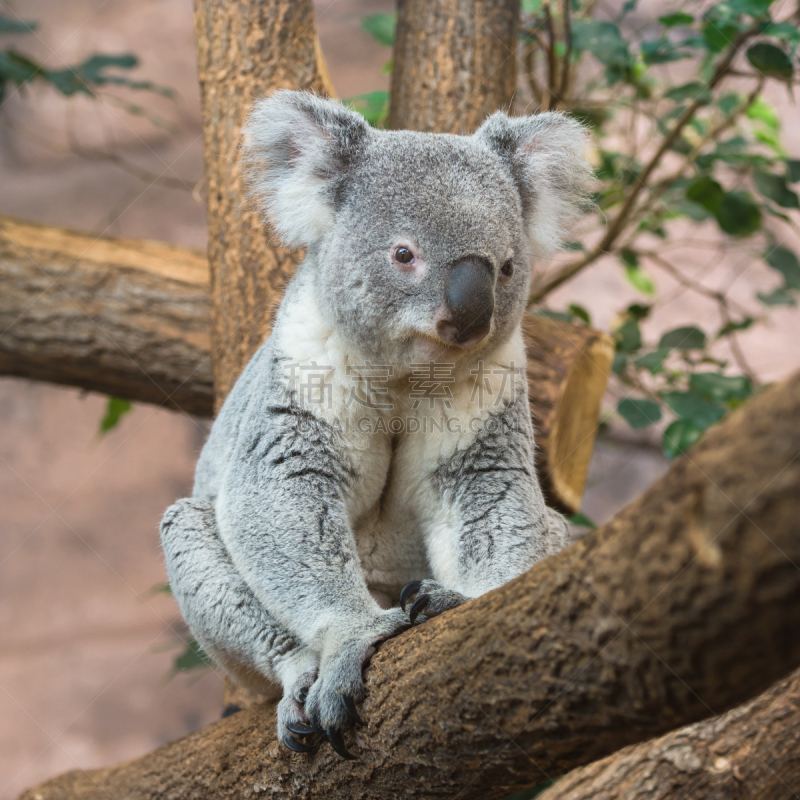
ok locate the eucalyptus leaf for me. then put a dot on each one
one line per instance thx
(792, 170)
(721, 388)
(9, 25)
(684, 338)
(679, 436)
(778, 297)
(706, 192)
(628, 336)
(770, 60)
(193, 657)
(116, 408)
(693, 406)
(738, 215)
(581, 520)
(774, 188)
(688, 91)
(654, 361)
(786, 262)
(718, 36)
(639, 413)
(373, 106)
(603, 40)
(675, 19)
(382, 27)
(639, 279)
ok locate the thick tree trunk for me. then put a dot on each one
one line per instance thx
(245, 50)
(750, 753)
(454, 63)
(684, 605)
(132, 318)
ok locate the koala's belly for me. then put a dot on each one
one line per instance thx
(391, 547)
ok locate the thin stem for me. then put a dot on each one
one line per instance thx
(552, 66)
(563, 88)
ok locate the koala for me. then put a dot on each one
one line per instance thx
(373, 466)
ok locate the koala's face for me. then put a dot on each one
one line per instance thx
(421, 244)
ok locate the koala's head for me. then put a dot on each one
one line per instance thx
(420, 244)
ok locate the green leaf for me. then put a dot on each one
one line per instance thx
(770, 60)
(786, 262)
(193, 657)
(639, 279)
(653, 362)
(774, 188)
(18, 69)
(684, 338)
(694, 407)
(688, 91)
(373, 106)
(116, 408)
(662, 51)
(619, 362)
(628, 336)
(531, 6)
(738, 215)
(603, 40)
(381, 27)
(639, 413)
(706, 192)
(9, 25)
(721, 388)
(762, 111)
(785, 31)
(732, 327)
(581, 520)
(580, 312)
(779, 297)
(678, 437)
(792, 170)
(677, 18)
(718, 36)
(574, 246)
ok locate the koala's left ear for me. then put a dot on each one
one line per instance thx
(298, 148)
(546, 155)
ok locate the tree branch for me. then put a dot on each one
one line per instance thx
(751, 752)
(684, 605)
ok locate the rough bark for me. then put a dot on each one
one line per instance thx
(121, 316)
(132, 318)
(685, 604)
(750, 753)
(454, 63)
(245, 50)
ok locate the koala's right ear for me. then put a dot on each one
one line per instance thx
(298, 147)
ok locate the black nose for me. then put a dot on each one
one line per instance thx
(469, 302)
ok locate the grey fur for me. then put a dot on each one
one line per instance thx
(297, 521)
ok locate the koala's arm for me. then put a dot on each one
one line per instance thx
(495, 524)
(282, 514)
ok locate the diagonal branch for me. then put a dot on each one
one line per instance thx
(684, 605)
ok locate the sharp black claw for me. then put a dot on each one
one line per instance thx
(349, 705)
(420, 604)
(337, 743)
(409, 590)
(300, 728)
(296, 746)
(302, 694)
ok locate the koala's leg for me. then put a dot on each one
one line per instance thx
(225, 617)
(493, 524)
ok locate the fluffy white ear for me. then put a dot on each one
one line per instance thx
(546, 155)
(297, 148)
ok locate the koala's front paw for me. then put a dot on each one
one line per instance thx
(432, 599)
(331, 702)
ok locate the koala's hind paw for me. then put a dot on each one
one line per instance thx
(431, 599)
(292, 719)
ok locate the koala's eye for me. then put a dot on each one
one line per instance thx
(507, 270)
(403, 255)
